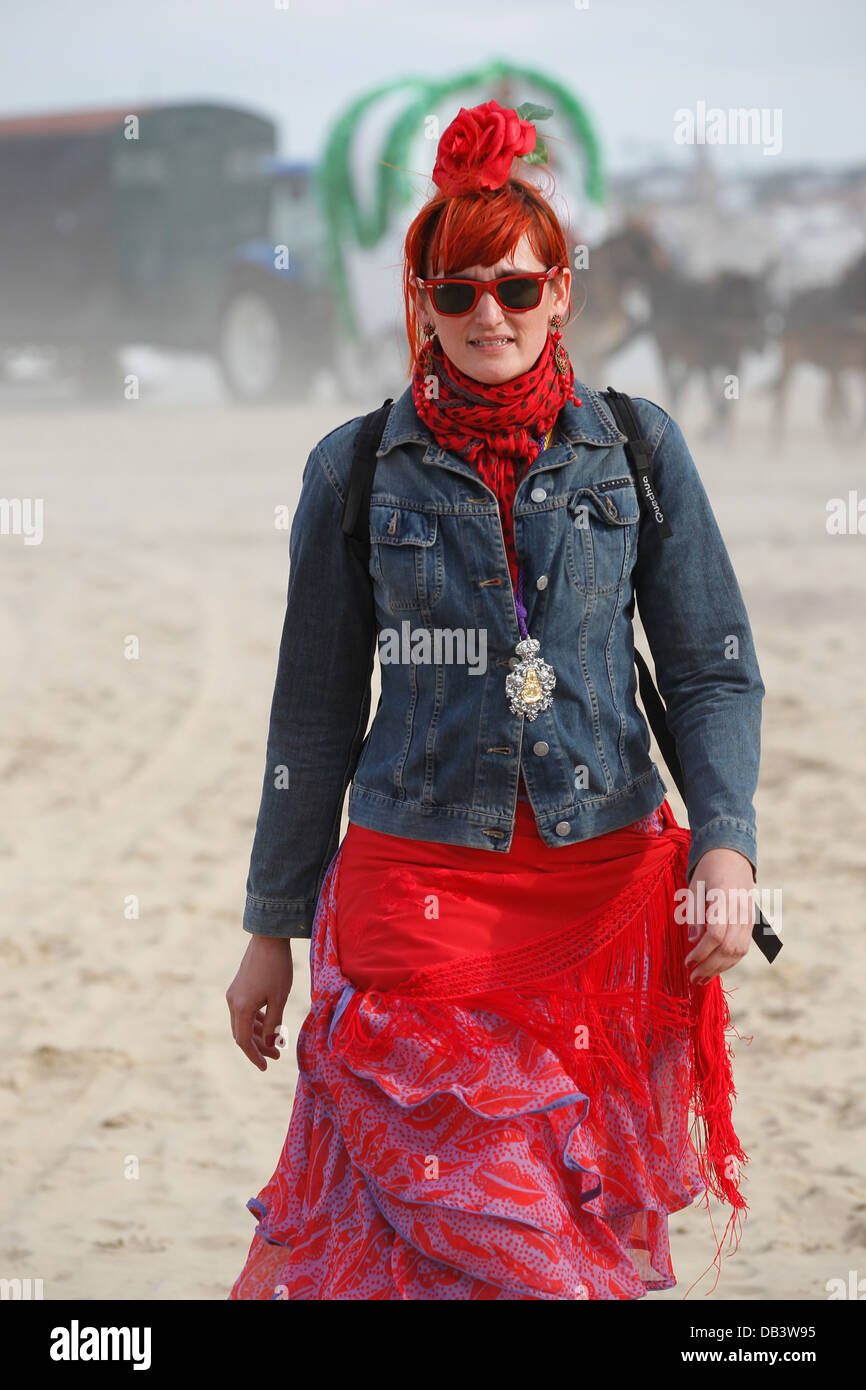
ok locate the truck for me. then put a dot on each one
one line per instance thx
(175, 226)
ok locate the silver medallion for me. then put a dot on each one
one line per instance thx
(529, 685)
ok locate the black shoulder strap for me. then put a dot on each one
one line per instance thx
(638, 451)
(639, 454)
(356, 507)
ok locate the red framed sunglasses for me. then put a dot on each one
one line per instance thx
(516, 294)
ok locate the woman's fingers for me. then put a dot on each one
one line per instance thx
(257, 996)
(725, 938)
(243, 1027)
(266, 1042)
(718, 955)
(710, 938)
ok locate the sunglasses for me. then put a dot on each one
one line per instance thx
(516, 293)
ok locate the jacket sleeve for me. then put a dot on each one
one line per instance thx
(706, 666)
(319, 712)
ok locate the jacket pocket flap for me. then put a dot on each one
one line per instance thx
(613, 500)
(401, 525)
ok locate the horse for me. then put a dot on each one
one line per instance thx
(825, 326)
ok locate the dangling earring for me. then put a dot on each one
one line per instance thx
(561, 357)
(427, 349)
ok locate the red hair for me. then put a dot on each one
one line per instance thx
(480, 227)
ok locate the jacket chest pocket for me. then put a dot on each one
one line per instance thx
(602, 534)
(406, 556)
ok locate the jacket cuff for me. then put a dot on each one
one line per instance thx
(266, 917)
(724, 832)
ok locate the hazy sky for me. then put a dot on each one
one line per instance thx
(632, 63)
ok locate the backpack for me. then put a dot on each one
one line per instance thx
(356, 529)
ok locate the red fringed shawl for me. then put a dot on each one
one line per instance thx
(577, 942)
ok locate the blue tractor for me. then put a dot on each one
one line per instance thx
(277, 323)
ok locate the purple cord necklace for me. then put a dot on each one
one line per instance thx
(529, 684)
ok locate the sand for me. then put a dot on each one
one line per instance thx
(134, 1128)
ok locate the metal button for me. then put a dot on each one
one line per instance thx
(538, 494)
(541, 582)
(611, 507)
(540, 748)
(562, 827)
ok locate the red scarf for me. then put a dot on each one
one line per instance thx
(497, 428)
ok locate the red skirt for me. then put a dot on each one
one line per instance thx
(495, 1076)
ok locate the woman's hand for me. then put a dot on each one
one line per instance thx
(725, 939)
(257, 996)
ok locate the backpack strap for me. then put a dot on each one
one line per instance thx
(638, 451)
(639, 454)
(355, 521)
(356, 507)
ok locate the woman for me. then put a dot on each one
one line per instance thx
(508, 1023)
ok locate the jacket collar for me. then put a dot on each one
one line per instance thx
(589, 423)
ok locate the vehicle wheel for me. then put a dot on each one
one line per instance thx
(254, 353)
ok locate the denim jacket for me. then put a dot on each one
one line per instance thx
(444, 753)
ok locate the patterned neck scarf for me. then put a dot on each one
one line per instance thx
(499, 429)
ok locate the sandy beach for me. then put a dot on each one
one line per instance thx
(134, 1128)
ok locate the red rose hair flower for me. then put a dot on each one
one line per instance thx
(479, 146)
